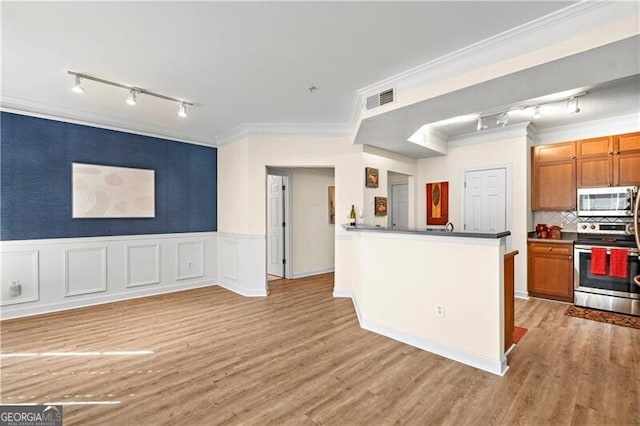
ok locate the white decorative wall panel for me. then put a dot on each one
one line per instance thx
(101, 269)
(142, 264)
(20, 277)
(190, 260)
(229, 256)
(85, 270)
(241, 259)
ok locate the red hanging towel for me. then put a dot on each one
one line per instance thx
(598, 261)
(618, 262)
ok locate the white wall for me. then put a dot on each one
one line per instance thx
(66, 273)
(242, 176)
(403, 278)
(312, 246)
(512, 151)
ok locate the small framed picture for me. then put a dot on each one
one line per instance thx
(381, 206)
(371, 177)
(332, 205)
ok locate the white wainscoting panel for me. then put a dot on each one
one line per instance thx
(142, 264)
(95, 270)
(242, 262)
(229, 258)
(21, 268)
(190, 260)
(85, 270)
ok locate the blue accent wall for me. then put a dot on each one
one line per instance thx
(35, 179)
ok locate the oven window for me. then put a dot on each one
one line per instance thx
(607, 282)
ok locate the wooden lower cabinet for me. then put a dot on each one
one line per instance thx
(550, 270)
(509, 301)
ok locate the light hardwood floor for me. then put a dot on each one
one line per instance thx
(299, 357)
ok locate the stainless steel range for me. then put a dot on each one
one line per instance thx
(606, 261)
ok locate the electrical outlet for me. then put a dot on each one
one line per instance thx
(440, 311)
(189, 264)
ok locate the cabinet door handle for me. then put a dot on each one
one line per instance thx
(617, 152)
(573, 157)
(550, 248)
(570, 257)
(610, 152)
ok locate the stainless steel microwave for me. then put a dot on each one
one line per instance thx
(607, 201)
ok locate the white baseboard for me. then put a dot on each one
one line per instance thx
(521, 294)
(464, 357)
(27, 311)
(349, 294)
(312, 273)
(244, 291)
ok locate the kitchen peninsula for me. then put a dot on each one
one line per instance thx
(436, 290)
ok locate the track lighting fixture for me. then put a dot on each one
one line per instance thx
(503, 119)
(182, 110)
(537, 112)
(479, 125)
(77, 87)
(572, 105)
(133, 91)
(131, 99)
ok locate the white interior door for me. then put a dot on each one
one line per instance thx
(485, 200)
(275, 226)
(400, 205)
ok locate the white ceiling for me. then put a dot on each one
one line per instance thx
(239, 62)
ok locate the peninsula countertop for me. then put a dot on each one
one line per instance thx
(435, 231)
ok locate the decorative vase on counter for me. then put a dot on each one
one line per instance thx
(542, 231)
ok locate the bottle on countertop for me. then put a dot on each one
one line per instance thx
(352, 216)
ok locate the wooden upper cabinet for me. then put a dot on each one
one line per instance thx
(627, 143)
(554, 152)
(553, 186)
(594, 171)
(595, 147)
(608, 161)
(626, 159)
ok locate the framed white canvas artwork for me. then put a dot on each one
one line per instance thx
(112, 192)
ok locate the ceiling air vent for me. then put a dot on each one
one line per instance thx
(380, 99)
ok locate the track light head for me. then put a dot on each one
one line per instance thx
(503, 119)
(537, 112)
(479, 125)
(77, 87)
(131, 99)
(182, 110)
(572, 105)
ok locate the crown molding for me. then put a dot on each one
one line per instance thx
(540, 31)
(525, 129)
(56, 113)
(591, 129)
(243, 131)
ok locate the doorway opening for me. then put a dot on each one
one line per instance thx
(300, 235)
(398, 190)
(277, 230)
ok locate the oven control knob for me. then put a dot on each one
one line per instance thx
(592, 227)
(584, 226)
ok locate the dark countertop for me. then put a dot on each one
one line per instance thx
(567, 238)
(440, 232)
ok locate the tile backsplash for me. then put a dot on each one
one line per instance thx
(569, 220)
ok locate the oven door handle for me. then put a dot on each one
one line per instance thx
(587, 249)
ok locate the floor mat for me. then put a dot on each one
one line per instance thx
(602, 316)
